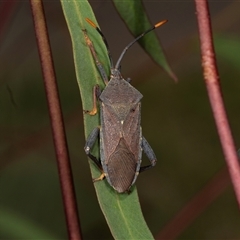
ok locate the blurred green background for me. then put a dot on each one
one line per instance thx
(176, 120)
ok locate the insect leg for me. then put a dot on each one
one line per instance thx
(96, 94)
(128, 80)
(88, 146)
(94, 54)
(150, 154)
(104, 40)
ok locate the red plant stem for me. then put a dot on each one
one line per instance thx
(214, 92)
(59, 136)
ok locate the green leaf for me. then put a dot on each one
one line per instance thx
(136, 19)
(122, 211)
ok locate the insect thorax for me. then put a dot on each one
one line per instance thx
(121, 97)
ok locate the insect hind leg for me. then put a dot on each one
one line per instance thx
(149, 153)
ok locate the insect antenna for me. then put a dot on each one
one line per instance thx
(104, 39)
(135, 40)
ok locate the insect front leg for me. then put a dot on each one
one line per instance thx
(94, 54)
(149, 153)
(96, 94)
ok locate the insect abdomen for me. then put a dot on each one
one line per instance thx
(121, 167)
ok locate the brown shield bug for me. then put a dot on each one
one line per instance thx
(121, 140)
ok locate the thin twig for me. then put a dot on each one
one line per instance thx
(59, 136)
(214, 92)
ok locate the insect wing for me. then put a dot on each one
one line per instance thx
(110, 132)
(132, 131)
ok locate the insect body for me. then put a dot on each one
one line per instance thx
(121, 140)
